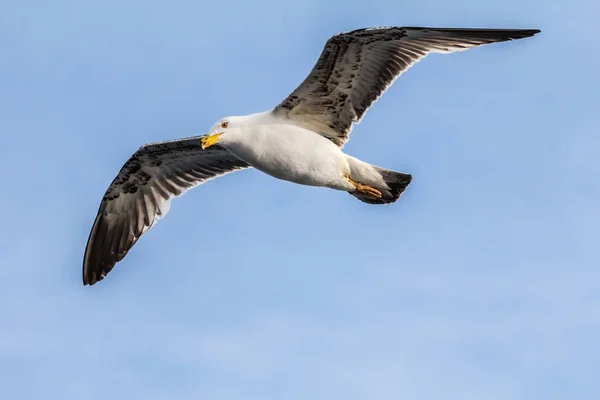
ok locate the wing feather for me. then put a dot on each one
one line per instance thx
(141, 194)
(356, 68)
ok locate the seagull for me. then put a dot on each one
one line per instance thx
(300, 140)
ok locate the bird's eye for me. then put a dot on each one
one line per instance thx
(224, 124)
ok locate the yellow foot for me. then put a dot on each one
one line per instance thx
(368, 190)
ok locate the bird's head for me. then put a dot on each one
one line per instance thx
(222, 132)
(231, 130)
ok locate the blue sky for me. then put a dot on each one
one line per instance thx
(481, 282)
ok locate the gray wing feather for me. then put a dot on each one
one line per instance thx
(141, 194)
(355, 68)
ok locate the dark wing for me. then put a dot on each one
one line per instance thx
(355, 68)
(142, 192)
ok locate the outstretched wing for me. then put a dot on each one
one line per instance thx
(355, 68)
(142, 192)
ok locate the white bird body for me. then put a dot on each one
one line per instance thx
(286, 151)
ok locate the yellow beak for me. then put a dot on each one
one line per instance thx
(209, 140)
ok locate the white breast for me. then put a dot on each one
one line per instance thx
(291, 153)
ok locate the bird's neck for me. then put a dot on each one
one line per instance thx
(259, 118)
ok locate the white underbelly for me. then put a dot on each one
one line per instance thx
(294, 154)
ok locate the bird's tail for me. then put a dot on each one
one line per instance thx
(390, 184)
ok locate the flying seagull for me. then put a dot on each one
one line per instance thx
(300, 140)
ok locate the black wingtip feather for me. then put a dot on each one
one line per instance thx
(491, 32)
(499, 34)
(94, 269)
(97, 261)
(486, 35)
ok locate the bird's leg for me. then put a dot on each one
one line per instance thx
(368, 190)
